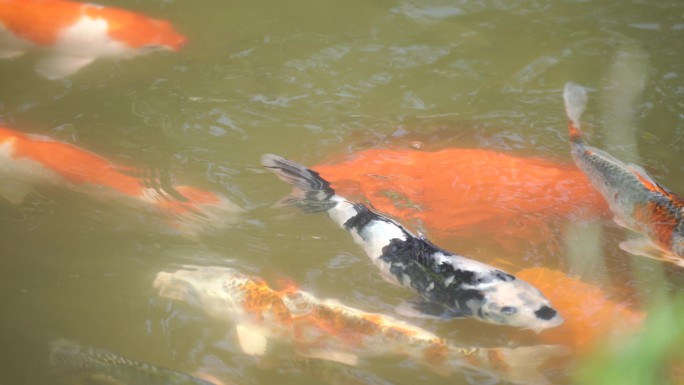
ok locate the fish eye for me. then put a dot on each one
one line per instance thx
(508, 310)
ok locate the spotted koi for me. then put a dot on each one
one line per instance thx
(326, 329)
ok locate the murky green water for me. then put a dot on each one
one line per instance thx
(307, 80)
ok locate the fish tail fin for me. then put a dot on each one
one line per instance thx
(575, 98)
(522, 365)
(310, 191)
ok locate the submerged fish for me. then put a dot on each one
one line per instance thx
(472, 193)
(74, 34)
(638, 202)
(91, 366)
(591, 314)
(450, 285)
(26, 160)
(326, 329)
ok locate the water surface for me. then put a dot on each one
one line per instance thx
(308, 80)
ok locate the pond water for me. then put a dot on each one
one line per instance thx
(312, 80)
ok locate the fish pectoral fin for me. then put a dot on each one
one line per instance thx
(252, 341)
(14, 192)
(331, 355)
(643, 246)
(57, 67)
(424, 309)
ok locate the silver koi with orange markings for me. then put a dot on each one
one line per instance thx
(637, 201)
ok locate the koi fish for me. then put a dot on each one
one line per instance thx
(591, 315)
(638, 202)
(450, 285)
(87, 365)
(26, 160)
(511, 200)
(326, 329)
(74, 34)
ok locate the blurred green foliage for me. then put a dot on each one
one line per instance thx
(654, 356)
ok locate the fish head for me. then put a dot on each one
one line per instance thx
(516, 303)
(218, 290)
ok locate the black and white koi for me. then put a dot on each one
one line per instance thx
(450, 285)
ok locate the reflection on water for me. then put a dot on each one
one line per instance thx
(315, 81)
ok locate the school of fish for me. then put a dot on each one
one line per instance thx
(327, 337)
(449, 284)
(328, 330)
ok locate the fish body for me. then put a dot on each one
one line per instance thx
(493, 197)
(91, 366)
(326, 329)
(450, 285)
(27, 160)
(636, 200)
(74, 34)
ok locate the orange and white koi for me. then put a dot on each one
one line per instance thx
(74, 34)
(636, 200)
(328, 330)
(27, 160)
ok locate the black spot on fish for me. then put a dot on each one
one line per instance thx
(545, 313)
(363, 217)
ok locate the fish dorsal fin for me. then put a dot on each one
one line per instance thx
(646, 179)
(252, 341)
(57, 67)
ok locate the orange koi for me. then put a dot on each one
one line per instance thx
(638, 202)
(463, 192)
(26, 160)
(590, 316)
(326, 329)
(74, 34)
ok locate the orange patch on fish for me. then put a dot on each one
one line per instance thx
(259, 298)
(41, 21)
(38, 21)
(589, 314)
(70, 162)
(463, 192)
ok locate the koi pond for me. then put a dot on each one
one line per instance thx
(446, 116)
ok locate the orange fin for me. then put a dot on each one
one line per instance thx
(646, 179)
